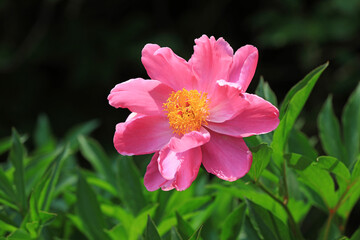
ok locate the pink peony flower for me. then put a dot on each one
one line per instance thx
(192, 112)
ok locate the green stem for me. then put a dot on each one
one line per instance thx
(332, 211)
(292, 223)
(286, 192)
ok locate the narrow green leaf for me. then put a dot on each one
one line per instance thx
(270, 226)
(263, 90)
(89, 210)
(129, 184)
(43, 136)
(356, 170)
(17, 155)
(19, 234)
(261, 158)
(183, 227)
(329, 131)
(351, 127)
(48, 184)
(95, 154)
(233, 223)
(139, 224)
(290, 110)
(151, 232)
(197, 234)
(174, 234)
(306, 83)
(6, 186)
(81, 129)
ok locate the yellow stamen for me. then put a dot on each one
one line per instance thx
(187, 110)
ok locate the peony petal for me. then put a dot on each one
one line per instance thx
(188, 164)
(226, 157)
(164, 65)
(141, 96)
(153, 179)
(189, 140)
(169, 163)
(189, 168)
(210, 62)
(258, 117)
(244, 66)
(142, 135)
(225, 102)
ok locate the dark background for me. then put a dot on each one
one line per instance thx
(62, 57)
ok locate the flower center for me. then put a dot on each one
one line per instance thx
(187, 110)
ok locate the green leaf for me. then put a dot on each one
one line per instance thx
(151, 232)
(290, 110)
(333, 165)
(351, 127)
(315, 177)
(299, 143)
(17, 155)
(183, 227)
(43, 136)
(356, 235)
(329, 131)
(117, 232)
(261, 158)
(233, 223)
(129, 184)
(263, 90)
(249, 231)
(269, 225)
(139, 223)
(95, 154)
(89, 210)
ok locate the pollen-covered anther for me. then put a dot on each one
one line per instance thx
(187, 110)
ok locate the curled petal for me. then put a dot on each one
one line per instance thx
(164, 65)
(225, 102)
(257, 117)
(226, 157)
(244, 66)
(142, 135)
(187, 166)
(210, 62)
(189, 140)
(141, 96)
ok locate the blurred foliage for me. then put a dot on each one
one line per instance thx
(73, 189)
(62, 57)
